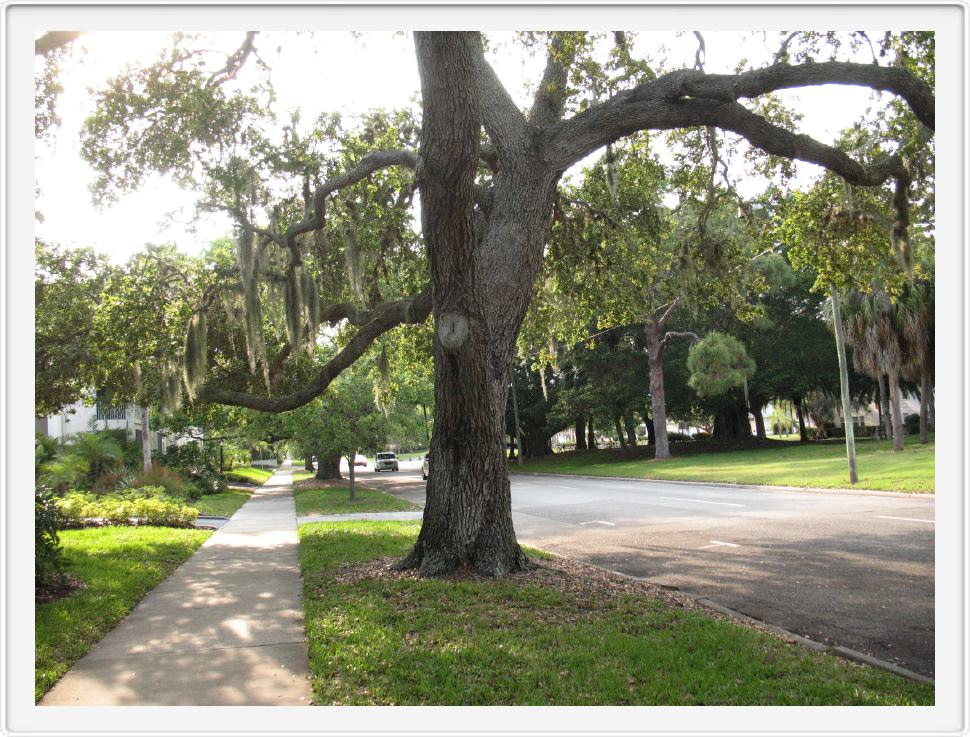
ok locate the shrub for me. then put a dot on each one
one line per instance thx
(48, 553)
(678, 437)
(45, 448)
(174, 484)
(64, 471)
(911, 424)
(148, 505)
(702, 436)
(197, 463)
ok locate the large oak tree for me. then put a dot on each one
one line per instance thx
(484, 234)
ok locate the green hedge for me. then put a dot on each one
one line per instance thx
(147, 505)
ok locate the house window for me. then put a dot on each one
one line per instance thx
(110, 413)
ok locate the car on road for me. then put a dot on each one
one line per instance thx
(385, 462)
(424, 467)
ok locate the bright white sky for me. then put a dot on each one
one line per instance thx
(323, 72)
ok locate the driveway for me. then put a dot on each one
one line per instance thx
(847, 569)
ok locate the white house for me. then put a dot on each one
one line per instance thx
(80, 417)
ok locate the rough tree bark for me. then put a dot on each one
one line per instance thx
(896, 409)
(884, 413)
(146, 441)
(328, 466)
(658, 403)
(925, 393)
(631, 431)
(590, 434)
(802, 431)
(618, 429)
(468, 516)
(759, 422)
(580, 432)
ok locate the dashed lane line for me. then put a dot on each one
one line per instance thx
(907, 519)
(700, 501)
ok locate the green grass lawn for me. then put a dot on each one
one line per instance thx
(470, 641)
(223, 504)
(119, 565)
(336, 500)
(819, 464)
(249, 474)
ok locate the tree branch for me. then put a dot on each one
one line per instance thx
(504, 122)
(54, 40)
(550, 97)
(681, 98)
(402, 312)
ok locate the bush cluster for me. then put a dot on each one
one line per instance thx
(48, 554)
(197, 463)
(147, 505)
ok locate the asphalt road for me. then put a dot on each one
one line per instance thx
(841, 568)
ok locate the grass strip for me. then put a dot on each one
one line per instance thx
(413, 641)
(818, 464)
(336, 500)
(118, 566)
(249, 474)
(224, 504)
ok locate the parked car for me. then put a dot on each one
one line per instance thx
(385, 462)
(424, 467)
(360, 460)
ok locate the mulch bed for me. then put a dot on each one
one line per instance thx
(58, 590)
(561, 574)
(315, 483)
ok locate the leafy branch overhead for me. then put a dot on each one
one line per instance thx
(324, 212)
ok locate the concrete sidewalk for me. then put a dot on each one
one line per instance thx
(226, 628)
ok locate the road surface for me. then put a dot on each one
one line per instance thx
(846, 569)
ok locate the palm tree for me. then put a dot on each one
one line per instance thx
(873, 329)
(915, 318)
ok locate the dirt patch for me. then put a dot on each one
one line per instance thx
(561, 574)
(66, 586)
(321, 484)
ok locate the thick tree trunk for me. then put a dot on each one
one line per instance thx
(884, 412)
(658, 403)
(895, 407)
(580, 432)
(535, 444)
(731, 423)
(328, 466)
(618, 428)
(631, 431)
(146, 441)
(480, 285)
(590, 435)
(759, 423)
(350, 465)
(802, 430)
(925, 390)
(308, 462)
(651, 433)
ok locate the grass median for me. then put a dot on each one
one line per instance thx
(224, 504)
(335, 499)
(249, 475)
(564, 634)
(117, 566)
(817, 464)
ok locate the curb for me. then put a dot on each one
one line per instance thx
(820, 647)
(755, 487)
(839, 650)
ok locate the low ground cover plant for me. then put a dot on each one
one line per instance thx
(560, 634)
(147, 505)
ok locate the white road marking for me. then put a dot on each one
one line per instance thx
(700, 501)
(598, 522)
(907, 519)
(718, 543)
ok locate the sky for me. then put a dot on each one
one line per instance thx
(324, 71)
